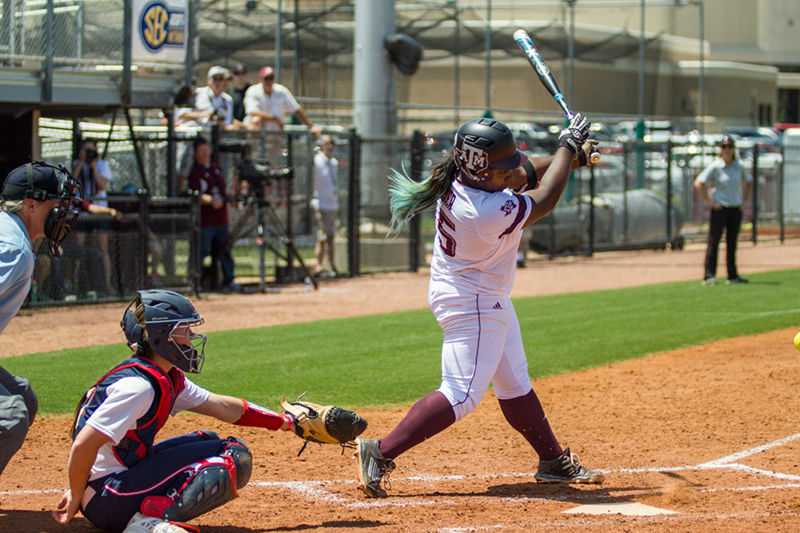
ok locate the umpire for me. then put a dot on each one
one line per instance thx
(35, 202)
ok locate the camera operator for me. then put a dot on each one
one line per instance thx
(93, 173)
(94, 176)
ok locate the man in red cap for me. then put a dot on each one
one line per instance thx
(267, 104)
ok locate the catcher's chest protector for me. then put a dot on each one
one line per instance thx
(138, 442)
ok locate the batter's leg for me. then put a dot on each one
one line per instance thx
(525, 414)
(518, 401)
(429, 416)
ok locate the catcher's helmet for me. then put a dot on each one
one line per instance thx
(484, 143)
(164, 312)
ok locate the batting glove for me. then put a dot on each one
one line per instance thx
(573, 136)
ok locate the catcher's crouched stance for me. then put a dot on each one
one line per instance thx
(119, 477)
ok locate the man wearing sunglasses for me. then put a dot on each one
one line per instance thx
(268, 104)
(237, 92)
(720, 187)
(212, 104)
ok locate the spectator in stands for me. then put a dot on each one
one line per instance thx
(268, 105)
(237, 92)
(94, 176)
(206, 178)
(212, 104)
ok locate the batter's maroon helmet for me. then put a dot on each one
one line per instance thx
(484, 143)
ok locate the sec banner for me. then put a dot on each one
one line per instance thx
(159, 30)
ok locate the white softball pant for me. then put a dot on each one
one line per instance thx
(482, 345)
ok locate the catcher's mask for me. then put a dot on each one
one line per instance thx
(42, 182)
(168, 319)
(483, 144)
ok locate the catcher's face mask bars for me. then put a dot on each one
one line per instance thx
(192, 345)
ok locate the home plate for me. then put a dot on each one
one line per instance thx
(623, 508)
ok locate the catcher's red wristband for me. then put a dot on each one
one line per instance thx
(257, 416)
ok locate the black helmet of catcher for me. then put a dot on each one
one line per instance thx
(161, 320)
(483, 143)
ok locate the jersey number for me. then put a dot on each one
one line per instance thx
(446, 241)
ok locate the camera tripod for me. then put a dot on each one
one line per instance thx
(259, 215)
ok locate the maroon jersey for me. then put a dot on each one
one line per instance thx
(209, 180)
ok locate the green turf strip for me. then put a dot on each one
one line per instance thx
(393, 359)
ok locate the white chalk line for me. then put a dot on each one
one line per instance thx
(319, 490)
(727, 462)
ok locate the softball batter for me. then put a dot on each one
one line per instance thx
(485, 193)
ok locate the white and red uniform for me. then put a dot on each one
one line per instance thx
(472, 273)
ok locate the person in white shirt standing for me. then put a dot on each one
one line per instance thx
(720, 187)
(267, 106)
(485, 193)
(325, 203)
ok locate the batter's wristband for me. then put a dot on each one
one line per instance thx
(582, 159)
(530, 172)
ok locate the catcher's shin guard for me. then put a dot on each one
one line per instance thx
(205, 485)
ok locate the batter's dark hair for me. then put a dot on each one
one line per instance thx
(408, 197)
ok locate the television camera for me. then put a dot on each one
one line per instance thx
(255, 175)
(258, 173)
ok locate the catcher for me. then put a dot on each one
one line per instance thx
(120, 478)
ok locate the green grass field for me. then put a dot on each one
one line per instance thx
(392, 359)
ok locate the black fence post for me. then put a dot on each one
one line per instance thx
(144, 224)
(289, 188)
(417, 153)
(353, 202)
(590, 250)
(195, 260)
(781, 179)
(669, 191)
(756, 148)
(215, 140)
(625, 174)
(169, 113)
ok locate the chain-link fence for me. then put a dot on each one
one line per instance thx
(639, 195)
(74, 33)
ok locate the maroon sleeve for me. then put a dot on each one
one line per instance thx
(193, 181)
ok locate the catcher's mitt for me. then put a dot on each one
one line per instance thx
(323, 423)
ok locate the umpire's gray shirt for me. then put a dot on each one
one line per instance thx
(726, 181)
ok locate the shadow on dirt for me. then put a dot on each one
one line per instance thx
(41, 522)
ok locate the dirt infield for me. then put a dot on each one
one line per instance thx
(708, 435)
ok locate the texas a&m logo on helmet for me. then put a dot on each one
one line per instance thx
(470, 158)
